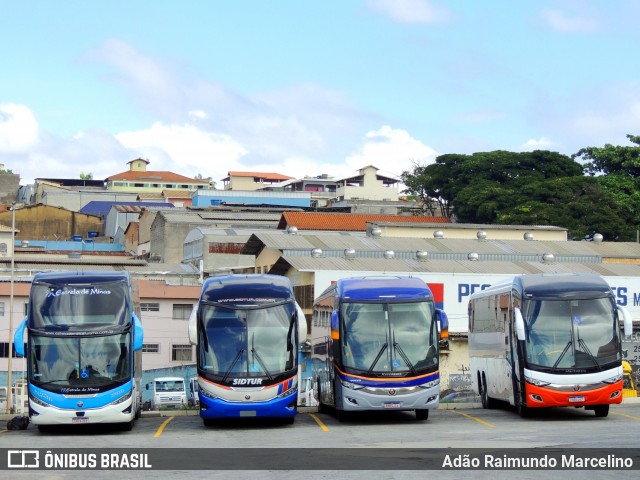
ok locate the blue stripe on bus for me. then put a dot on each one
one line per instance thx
(389, 382)
(89, 400)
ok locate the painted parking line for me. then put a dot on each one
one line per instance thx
(161, 427)
(473, 418)
(319, 422)
(626, 415)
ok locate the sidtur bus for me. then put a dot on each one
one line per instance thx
(375, 345)
(547, 340)
(83, 349)
(247, 330)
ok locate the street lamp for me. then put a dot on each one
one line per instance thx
(13, 254)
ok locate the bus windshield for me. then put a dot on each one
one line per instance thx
(569, 334)
(250, 342)
(396, 337)
(69, 363)
(79, 305)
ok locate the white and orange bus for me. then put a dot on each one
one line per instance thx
(548, 340)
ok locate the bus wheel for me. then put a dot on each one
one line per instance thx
(290, 420)
(487, 401)
(322, 408)
(126, 426)
(523, 410)
(208, 422)
(422, 414)
(601, 410)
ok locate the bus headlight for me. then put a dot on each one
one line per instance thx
(431, 384)
(350, 385)
(37, 401)
(288, 392)
(537, 383)
(615, 379)
(122, 399)
(206, 393)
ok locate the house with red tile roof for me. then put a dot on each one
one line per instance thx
(138, 179)
(252, 180)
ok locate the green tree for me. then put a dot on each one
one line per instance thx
(617, 170)
(86, 176)
(526, 188)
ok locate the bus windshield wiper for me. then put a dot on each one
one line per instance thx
(233, 364)
(399, 349)
(588, 352)
(257, 357)
(382, 349)
(562, 354)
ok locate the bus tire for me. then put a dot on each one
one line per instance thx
(487, 401)
(523, 410)
(126, 426)
(290, 420)
(322, 408)
(601, 411)
(422, 414)
(208, 422)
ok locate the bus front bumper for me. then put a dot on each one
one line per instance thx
(211, 408)
(353, 400)
(50, 415)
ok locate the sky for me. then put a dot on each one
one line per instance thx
(305, 88)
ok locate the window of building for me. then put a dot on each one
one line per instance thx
(4, 350)
(1, 309)
(181, 353)
(184, 186)
(182, 311)
(139, 185)
(25, 309)
(150, 348)
(150, 307)
(169, 185)
(3, 248)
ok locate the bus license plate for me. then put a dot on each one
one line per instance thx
(577, 399)
(80, 420)
(392, 405)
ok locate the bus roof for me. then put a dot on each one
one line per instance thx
(378, 288)
(562, 285)
(550, 285)
(247, 289)
(87, 276)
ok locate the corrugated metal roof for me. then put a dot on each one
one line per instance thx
(310, 264)
(445, 249)
(101, 207)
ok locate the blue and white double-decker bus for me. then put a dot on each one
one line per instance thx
(247, 330)
(375, 345)
(83, 349)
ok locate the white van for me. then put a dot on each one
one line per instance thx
(168, 392)
(194, 396)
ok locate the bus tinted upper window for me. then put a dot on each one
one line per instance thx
(103, 303)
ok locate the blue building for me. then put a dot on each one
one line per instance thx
(209, 198)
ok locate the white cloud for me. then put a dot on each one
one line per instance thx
(19, 129)
(391, 151)
(185, 149)
(410, 11)
(541, 143)
(560, 22)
